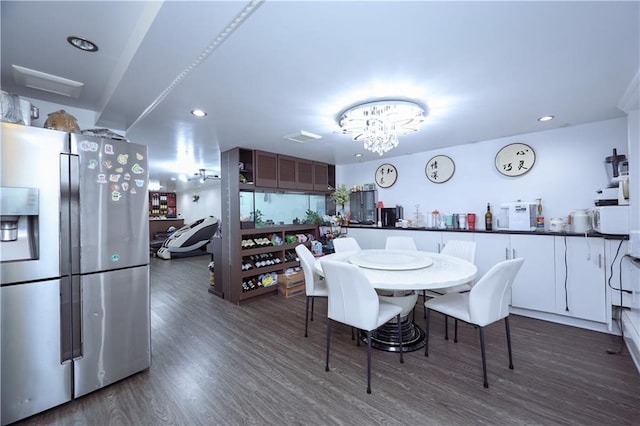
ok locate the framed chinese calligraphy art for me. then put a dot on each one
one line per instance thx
(386, 175)
(515, 159)
(440, 169)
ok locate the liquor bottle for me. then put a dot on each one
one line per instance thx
(488, 219)
(540, 217)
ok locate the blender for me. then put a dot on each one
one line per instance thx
(617, 169)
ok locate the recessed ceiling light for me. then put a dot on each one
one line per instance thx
(82, 44)
(358, 155)
(199, 113)
(546, 118)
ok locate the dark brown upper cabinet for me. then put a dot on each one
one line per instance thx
(287, 172)
(304, 174)
(266, 169)
(320, 177)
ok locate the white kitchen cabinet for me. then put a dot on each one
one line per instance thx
(429, 241)
(491, 249)
(534, 286)
(580, 279)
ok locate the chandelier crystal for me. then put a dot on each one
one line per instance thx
(380, 123)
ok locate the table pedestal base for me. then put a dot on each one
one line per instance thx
(385, 338)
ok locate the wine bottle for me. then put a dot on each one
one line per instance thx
(488, 219)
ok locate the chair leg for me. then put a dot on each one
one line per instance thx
(424, 300)
(484, 358)
(368, 361)
(313, 299)
(446, 327)
(400, 338)
(506, 323)
(455, 331)
(426, 332)
(326, 368)
(306, 318)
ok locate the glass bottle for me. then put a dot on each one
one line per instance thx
(488, 219)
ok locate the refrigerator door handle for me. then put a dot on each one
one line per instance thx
(65, 216)
(70, 294)
(69, 216)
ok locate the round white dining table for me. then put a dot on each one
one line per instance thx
(406, 269)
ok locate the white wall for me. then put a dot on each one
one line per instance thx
(208, 204)
(568, 170)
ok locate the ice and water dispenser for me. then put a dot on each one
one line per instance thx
(19, 209)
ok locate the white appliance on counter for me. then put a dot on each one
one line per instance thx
(611, 220)
(518, 216)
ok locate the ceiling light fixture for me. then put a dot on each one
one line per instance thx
(546, 118)
(380, 123)
(198, 113)
(202, 176)
(82, 44)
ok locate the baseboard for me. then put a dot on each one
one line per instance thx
(566, 320)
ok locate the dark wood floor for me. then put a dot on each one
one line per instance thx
(218, 363)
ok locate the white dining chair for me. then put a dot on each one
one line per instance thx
(313, 284)
(486, 302)
(354, 301)
(464, 250)
(345, 244)
(405, 298)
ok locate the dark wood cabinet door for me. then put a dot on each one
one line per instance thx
(304, 174)
(287, 172)
(266, 169)
(320, 176)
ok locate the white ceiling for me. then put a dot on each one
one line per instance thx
(484, 70)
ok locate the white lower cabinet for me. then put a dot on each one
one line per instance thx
(580, 278)
(428, 241)
(491, 249)
(534, 287)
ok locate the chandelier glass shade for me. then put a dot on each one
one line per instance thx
(378, 124)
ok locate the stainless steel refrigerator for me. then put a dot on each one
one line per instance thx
(74, 251)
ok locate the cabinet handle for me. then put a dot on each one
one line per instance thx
(513, 251)
(506, 253)
(439, 248)
(600, 260)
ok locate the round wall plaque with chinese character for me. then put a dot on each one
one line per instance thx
(440, 169)
(386, 175)
(515, 159)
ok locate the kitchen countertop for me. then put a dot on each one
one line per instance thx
(482, 231)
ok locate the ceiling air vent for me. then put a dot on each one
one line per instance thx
(302, 136)
(47, 82)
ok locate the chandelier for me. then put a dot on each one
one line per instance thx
(378, 124)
